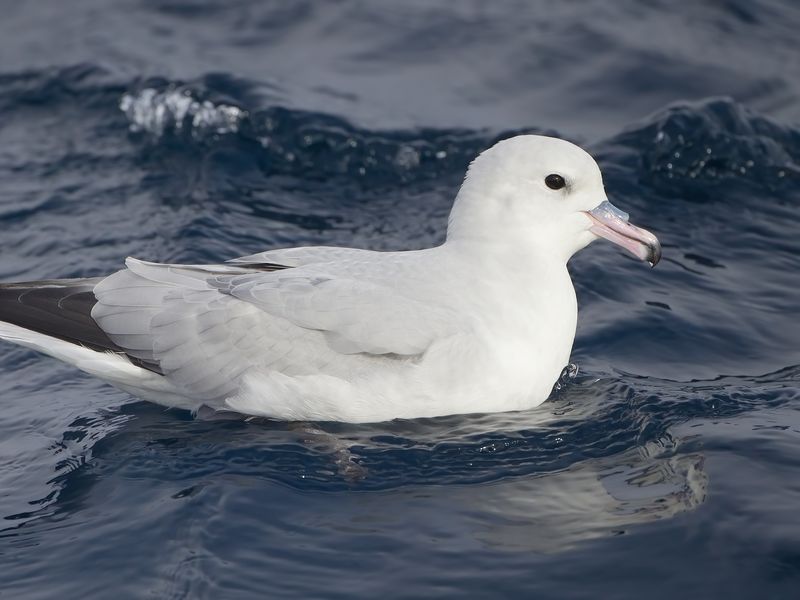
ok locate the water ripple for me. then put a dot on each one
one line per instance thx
(685, 406)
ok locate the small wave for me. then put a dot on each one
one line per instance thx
(175, 109)
(704, 144)
(89, 84)
(315, 146)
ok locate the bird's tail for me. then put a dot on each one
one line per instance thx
(55, 317)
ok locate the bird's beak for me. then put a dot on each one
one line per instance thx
(611, 223)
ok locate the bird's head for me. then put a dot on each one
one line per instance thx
(546, 194)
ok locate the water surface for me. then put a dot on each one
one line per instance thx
(191, 131)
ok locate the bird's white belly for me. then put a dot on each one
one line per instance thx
(473, 372)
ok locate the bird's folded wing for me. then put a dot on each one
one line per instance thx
(206, 325)
(170, 316)
(356, 314)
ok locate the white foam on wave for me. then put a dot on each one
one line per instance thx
(158, 112)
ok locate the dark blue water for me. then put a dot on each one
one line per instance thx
(188, 130)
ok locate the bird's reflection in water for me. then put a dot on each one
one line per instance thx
(597, 498)
(592, 462)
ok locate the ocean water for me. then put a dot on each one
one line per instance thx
(195, 131)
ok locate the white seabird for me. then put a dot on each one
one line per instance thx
(484, 322)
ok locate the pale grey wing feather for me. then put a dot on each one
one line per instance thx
(298, 257)
(206, 326)
(202, 340)
(356, 315)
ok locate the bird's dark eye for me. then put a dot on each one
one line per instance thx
(554, 182)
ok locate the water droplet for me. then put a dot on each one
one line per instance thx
(406, 157)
